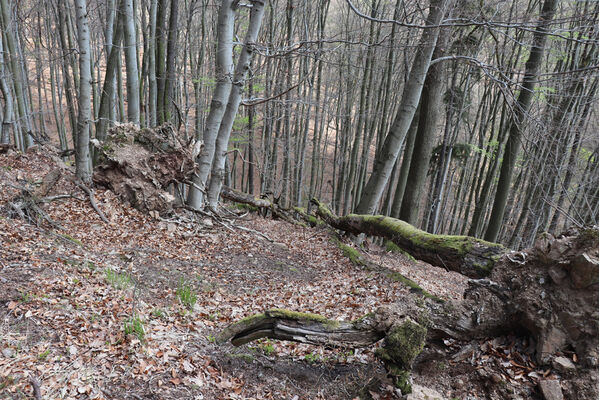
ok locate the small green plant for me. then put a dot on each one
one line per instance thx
(135, 326)
(267, 348)
(211, 338)
(26, 297)
(312, 358)
(214, 316)
(118, 280)
(159, 313)
(186, 294)
(42, 356)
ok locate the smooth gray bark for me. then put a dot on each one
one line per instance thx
(243, 65)
(7, 112)
(131, 61)
(521, 108)
(82, 153)
(383, 165)
(18, 78)
(220, 97)
(108, 91)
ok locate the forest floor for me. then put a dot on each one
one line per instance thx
(130, 309)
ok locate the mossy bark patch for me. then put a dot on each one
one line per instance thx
(464, 254)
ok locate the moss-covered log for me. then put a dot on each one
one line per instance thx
(464, 254)
(304, 328)
(404, 337)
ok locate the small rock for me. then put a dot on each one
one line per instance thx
(458, 384)
(8, 352)
(464, 353)
(563, 364)
(423, 393)
(551, 390)
(207, 222)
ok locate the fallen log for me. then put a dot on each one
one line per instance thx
(404, 337)
(464, 254)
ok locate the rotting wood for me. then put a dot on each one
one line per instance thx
(404, 338)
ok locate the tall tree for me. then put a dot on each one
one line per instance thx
(243, 65)
(82, 153)
(133, 108)
(518, 119)
(383, 164)
(220, 97)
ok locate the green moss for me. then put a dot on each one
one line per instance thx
(300, 316)
(401, 379)
(403, 343)
(397, 277)
(393, 248)
(242, 356)
(72, 239)
(354, 255)
(460, 244)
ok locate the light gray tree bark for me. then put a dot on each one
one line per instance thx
(108, 89)
(220, 97)
(131, 61)
(383, 165)
(7, 112)
(18, 79)
(521, 108)
(82, 153)
(243, 65)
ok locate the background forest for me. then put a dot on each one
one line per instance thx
(503, 144)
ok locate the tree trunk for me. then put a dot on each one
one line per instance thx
(464, 254)
(430, 111)
(171, 55)
(108, 87)
(131, 61)
(383, 165)
(224, 72)
(518, 119)
(82, 153)
(224, 132)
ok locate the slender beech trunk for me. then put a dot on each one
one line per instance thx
(152, 87)
(383, 165)
(109, 80)
(18, 78)
(518, 119)
(82, 154)
(171, 54)
(243, 65)
(430, 111)
(130, 42)
(7, 111)
(223, 70)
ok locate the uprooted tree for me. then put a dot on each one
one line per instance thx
(549, 292)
